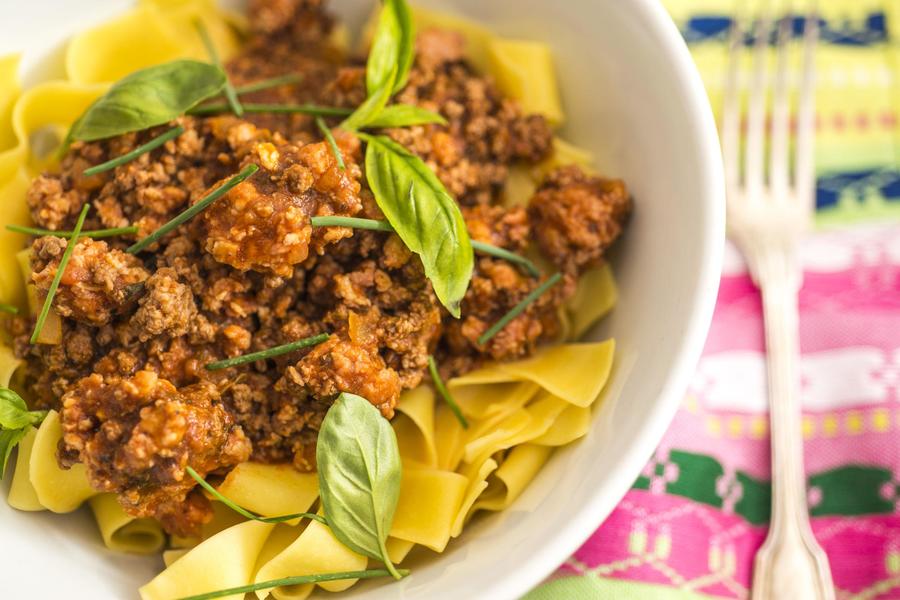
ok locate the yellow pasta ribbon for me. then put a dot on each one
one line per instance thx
(595, 295)
(21, 493)
(572, 424)
(316, 550)
(270, 490)
(414, 426)
(224, 561)
(574, 372)
(513, 476)
(153, 32)
(59, 490)
(429, 502)
(524, 71)
(477, 484)
(121, 531)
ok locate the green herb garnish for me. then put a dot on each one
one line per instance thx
(375, 225)
(393, 47)
(298, 580)
(243, 511)
(332, 143)
(95, 234)
(423, 214)
(268, 353)
(265, 84)
(153, 144)
(359, 476)
(149, 97)
(230, 93)
(404, 115)
(519, 308)
(306, 109)
(505, 254)
(189, 213)
(445, 393)
(8, 308)
(54, 285)
(15, 420)
(352, 222)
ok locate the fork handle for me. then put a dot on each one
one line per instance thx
(790, 565)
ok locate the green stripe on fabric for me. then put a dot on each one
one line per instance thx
(850, 490)
(591, 587)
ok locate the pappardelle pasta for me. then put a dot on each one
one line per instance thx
(283, 311)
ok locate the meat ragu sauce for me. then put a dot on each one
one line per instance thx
(137, 405)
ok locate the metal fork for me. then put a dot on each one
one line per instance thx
(767, 217)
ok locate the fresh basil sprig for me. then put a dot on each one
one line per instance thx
(392, 51)
(149, 97)
(15, 420)
(359, 476)
(423, 214)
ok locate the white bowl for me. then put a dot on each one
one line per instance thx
(634, 98)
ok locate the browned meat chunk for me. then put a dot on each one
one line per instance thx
(578, 216)
(166, 306)
(97, 280)
(136, 436)
(342, 366)
(498, 226)
(264, 223)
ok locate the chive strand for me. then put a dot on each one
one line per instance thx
(54, 285)
(332, 143)
(352, 222)
(196, 208)
(9, 308)
(506, 255)
(268, 353)
(243, 511)
(445, 393)
(230, 93)
(519, 308)
(297, 580)
(307, 109)
(375, 225)
(153, 144)
(96, 234)
(265, 84)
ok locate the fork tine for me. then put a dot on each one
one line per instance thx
(731, 109)
(756, 112)
(781, 113)
(804, 171)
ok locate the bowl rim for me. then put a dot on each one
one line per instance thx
(579, 526)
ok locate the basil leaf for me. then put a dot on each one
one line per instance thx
(13, 410)
(370, 109)
(359, 475)
(423, 214)
(149, 97)
(393, 48)
(9, 438)
(405, 115)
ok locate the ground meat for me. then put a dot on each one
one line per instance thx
(502, 227)
(580, 216)
(485, 132)
(343, 366)
(264, 223)
(136, 436)
(96, 284)
(166, 306)
(496, 287)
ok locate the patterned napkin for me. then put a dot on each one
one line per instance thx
(691, 524)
